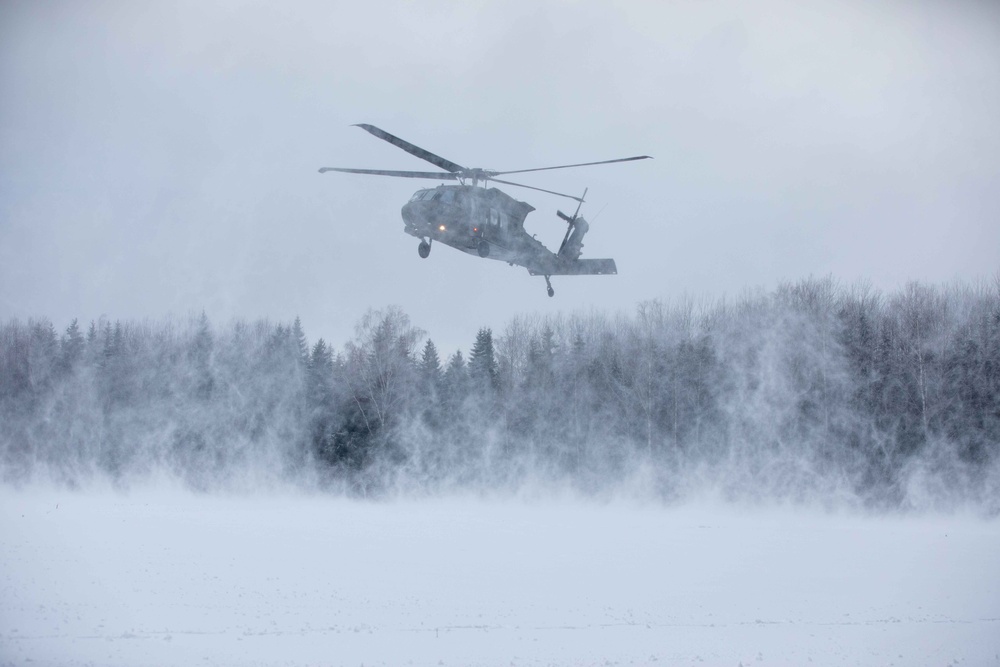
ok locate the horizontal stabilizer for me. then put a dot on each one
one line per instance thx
(576, 267)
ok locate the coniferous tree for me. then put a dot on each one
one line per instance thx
(483, 364)
(574, 379)
(200, 354)
(429, 386)
(454, 386)
(320, 374)
(299, 337)
(44, 356)
(72, 347)
(112, 381)
(430, 365)
(15, 380)
(320, 400)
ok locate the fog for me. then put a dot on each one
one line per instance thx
(242, 422)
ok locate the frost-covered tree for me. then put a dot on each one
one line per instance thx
(380, 372)
(809, 389)
(455, 386)
(483, 364)
(428, 390)
(430, 366)
(299, 337)
(201, 352)
(72, 345)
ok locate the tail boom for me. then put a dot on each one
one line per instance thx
(558, 266)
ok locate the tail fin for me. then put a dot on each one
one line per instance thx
(572, 247)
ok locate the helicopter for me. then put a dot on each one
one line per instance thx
(483, 221)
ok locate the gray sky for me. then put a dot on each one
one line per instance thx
(161, 159)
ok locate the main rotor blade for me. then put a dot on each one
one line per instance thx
(531, 187)
(582, 164)
(437, 175)
(416, 151)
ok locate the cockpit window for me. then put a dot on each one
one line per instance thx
(422, 194)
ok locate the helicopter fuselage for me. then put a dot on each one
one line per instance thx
(476, 220)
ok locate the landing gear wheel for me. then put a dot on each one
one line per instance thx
(484, 249)
(548, 287)
(424, 249)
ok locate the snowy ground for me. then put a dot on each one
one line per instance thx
(178, 579)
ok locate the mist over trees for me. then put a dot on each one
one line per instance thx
(814, 392)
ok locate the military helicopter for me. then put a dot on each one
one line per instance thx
(485, 221)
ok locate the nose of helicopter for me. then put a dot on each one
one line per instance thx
(414, 215)
(427, 216)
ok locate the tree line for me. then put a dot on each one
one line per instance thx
(811, 391)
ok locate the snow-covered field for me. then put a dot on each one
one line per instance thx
(170, 578)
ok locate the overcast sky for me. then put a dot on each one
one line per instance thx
(161, 158)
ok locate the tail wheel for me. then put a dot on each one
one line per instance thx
(424, 249)
(484, 249)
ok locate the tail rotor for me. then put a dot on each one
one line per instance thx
(576, 228)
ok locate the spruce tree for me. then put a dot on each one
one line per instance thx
(483, 362)
(320, 401)
(429, 385)
(72, 347)
(430, 362)
(299, 336)
(200, 355)
(320, 372)
(454, 384)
